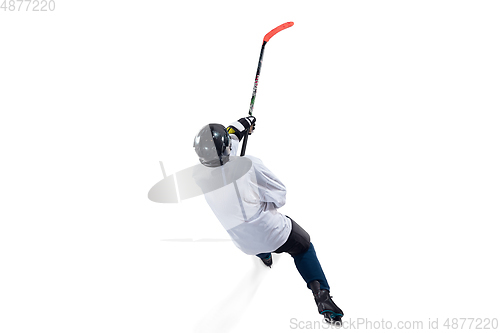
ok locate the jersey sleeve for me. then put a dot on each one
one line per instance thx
(235, 143)
(272, 189)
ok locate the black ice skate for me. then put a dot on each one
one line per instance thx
(332, 313)
(268, 261)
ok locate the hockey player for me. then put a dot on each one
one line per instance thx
(248, 211)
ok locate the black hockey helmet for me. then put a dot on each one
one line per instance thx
(213, 145)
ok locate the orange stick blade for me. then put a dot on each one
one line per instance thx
(273, 32)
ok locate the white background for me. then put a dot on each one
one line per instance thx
(380, 117)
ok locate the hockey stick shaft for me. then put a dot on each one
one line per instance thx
(267, 37)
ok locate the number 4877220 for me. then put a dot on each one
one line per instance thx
(28, 5)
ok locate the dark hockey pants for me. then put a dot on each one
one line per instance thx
(299, 246)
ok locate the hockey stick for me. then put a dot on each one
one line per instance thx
(267, 37)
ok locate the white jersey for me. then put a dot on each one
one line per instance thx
(247, 208)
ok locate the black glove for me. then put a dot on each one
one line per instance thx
(241, 126)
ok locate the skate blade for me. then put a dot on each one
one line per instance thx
(333, 319)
